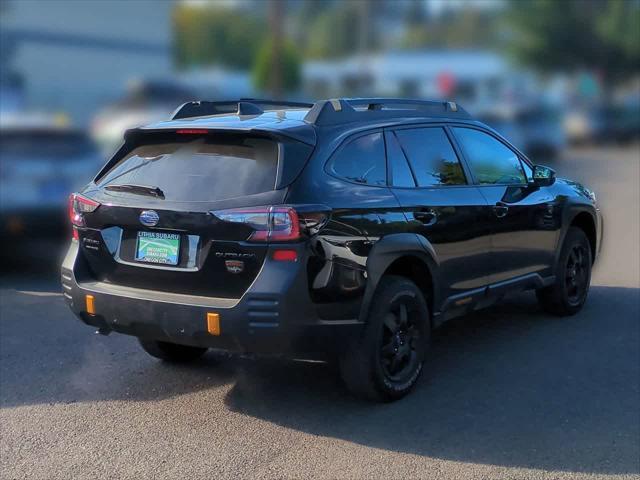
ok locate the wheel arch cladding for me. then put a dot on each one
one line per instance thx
(585, 221)
(402, 254)
(416, 270)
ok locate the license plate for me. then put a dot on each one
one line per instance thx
(157, 247)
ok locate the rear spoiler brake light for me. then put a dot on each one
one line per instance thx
(192, 131)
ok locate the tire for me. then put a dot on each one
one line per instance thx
(573, 276)
(385, 361)
(171, 352)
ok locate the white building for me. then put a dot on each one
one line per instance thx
(478, 76)
(74, 56)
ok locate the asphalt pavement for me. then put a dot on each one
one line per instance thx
(509, 392)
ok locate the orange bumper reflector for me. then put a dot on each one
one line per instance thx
(91, 307)
(213, 323)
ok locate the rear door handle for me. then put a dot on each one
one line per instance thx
(426, 217)
(500, 209)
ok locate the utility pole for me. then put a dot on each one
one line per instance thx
(363, 33)
(363, 44)
(276, 21)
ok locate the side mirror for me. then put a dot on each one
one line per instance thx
(543, 176)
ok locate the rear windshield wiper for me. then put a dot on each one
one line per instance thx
(137, 189)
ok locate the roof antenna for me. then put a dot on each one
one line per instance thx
(247, 108)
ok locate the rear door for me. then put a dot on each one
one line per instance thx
(442, 206)
(525, 219)
(164, 221)
(353, 183)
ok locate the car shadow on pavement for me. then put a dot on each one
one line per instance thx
(48, 357)
(508, 386)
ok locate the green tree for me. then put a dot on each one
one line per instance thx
(209, 35)
(291, 67)
(575, 34)
(470, 27)
(620, 26)
(343, 29)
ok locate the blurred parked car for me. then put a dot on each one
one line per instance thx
(542, 132)
(505, 125)
(145, 101)
(618, 123)
(536, 130)
(584, 125)
(42, 159)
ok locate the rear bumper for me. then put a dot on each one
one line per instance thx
(275, 316)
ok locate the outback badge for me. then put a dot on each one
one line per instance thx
(234, 266)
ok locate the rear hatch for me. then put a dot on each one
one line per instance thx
(187, 211)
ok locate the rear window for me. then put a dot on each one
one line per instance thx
(362, 160)
(200, 170)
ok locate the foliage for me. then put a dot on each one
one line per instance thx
(548, 35)
(206, 35)
(464, 28)
(577, 34)
(342, 29)
(620, 26)
(291, 67)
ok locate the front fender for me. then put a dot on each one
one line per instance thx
(569, 216)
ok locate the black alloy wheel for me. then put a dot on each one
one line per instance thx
(568, 293)
(384, 362)
(400, 350)
(577, 274)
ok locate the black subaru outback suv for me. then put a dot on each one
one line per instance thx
(349, 228)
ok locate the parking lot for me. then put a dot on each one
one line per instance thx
(509, 392)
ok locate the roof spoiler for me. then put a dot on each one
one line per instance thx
(344, 110)
(243, 106)
(301, 133)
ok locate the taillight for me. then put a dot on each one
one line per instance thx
(192, 131)
(269, 224)
(78, 206)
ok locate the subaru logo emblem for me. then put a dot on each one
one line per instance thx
(149, 218)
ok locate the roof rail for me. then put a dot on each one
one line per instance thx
(242, 106)
(344, 110)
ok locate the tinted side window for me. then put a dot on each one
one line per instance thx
(528, 171)
(362, 160)
(491, 161)
(432, 158)
(400, 172)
